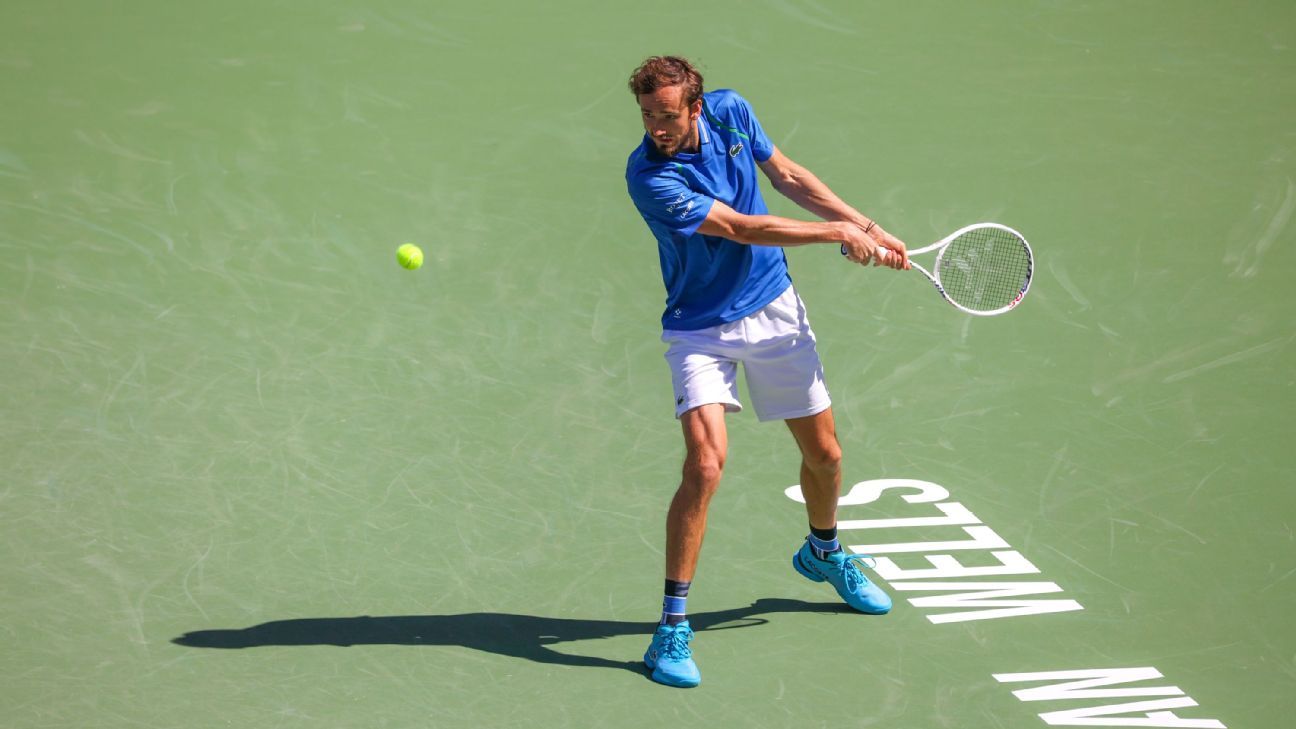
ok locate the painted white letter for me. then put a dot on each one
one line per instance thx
(987, 598)
(946, 566)
(1080, 717)
(866, 492)
(983, 537)
(955, 514)
(1082, 688)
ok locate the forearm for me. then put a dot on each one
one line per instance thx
(772, 230)
(802, 187)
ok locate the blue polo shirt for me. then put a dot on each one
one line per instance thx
(709, 280)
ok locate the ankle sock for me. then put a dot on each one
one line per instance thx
(824, 541)
(673, 598)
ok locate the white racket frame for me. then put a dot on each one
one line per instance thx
(941, 245)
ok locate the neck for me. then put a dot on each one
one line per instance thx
(693, 144)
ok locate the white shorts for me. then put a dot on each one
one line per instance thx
(777, 350)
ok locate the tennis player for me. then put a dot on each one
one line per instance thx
(730, 300)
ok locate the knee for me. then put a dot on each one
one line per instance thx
(825, 460)
(702, 470)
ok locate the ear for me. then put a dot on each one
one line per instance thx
(695, 110)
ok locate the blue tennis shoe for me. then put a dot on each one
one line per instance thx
(844, 574)
(669, 656)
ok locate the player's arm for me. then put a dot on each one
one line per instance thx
(802, 187)
(771, 230)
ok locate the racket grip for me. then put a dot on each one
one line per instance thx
(881, 253)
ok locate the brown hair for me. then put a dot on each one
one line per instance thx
(662, 71)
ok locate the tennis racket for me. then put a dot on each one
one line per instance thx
(983, 269)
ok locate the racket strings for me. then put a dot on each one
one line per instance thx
(985, 269)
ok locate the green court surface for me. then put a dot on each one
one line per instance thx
(255, 474)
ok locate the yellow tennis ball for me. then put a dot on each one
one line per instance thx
(409, 256)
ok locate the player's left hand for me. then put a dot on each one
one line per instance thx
(890, 250)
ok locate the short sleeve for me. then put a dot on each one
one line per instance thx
(665, 200)
(762, 147)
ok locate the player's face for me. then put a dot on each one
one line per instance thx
(669, 121)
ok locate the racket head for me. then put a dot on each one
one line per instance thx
(984, 269)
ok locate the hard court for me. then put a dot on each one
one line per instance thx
(255, 474)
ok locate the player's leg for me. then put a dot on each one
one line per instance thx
(706, 444)
(706, 387)
(821, 558)
(821, 455)
(786, 381)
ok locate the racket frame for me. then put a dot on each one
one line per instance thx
(941, 245)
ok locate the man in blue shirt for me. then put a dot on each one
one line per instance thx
(730, 300)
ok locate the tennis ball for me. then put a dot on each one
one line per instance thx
(409, 256)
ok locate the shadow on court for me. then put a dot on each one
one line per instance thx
(519, 636)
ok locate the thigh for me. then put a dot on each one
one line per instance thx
(705, 435)
(701, 373)
(816, 435)
(784, 373)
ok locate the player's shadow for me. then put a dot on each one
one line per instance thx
(519, 636)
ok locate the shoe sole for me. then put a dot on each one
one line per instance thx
(665, 680)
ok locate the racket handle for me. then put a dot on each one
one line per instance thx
(881, 253)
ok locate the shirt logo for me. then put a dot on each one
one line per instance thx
(671, 208)
(734, 150)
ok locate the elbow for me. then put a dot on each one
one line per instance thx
(737, 228)
(741, 231)
(789, 181)
(790, 187)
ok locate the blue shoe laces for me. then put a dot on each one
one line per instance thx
(674, 644)
(854, 577)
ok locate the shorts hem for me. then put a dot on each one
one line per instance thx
(790, 414)
(730, 406)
